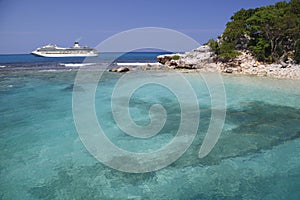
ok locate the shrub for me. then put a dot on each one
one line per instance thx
(176, 57)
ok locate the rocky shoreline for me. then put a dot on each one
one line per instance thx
(204, 60)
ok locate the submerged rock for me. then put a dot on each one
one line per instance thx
(123, 69)
(151, 67)
(257, 126)
(113, 70)
(120, 69)
(72, 88)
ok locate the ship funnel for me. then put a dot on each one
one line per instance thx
(76, 44)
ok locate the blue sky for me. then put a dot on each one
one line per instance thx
(28, 24)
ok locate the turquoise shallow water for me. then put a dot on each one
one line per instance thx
(42, 157)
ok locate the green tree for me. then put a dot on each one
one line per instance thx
(270, 33)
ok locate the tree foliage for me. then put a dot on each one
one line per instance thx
(271, 33)
(224, 50)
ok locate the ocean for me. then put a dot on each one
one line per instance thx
(43, 155)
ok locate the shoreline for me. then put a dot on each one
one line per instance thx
(203, 59)
(262, 70)
(268, 71)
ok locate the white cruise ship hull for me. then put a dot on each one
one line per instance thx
(74, 51)
(57, 55)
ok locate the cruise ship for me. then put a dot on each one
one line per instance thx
(74, 51)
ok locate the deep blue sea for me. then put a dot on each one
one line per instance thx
(31, 62)
(43, 157)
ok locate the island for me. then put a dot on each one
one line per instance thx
(264, 41)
